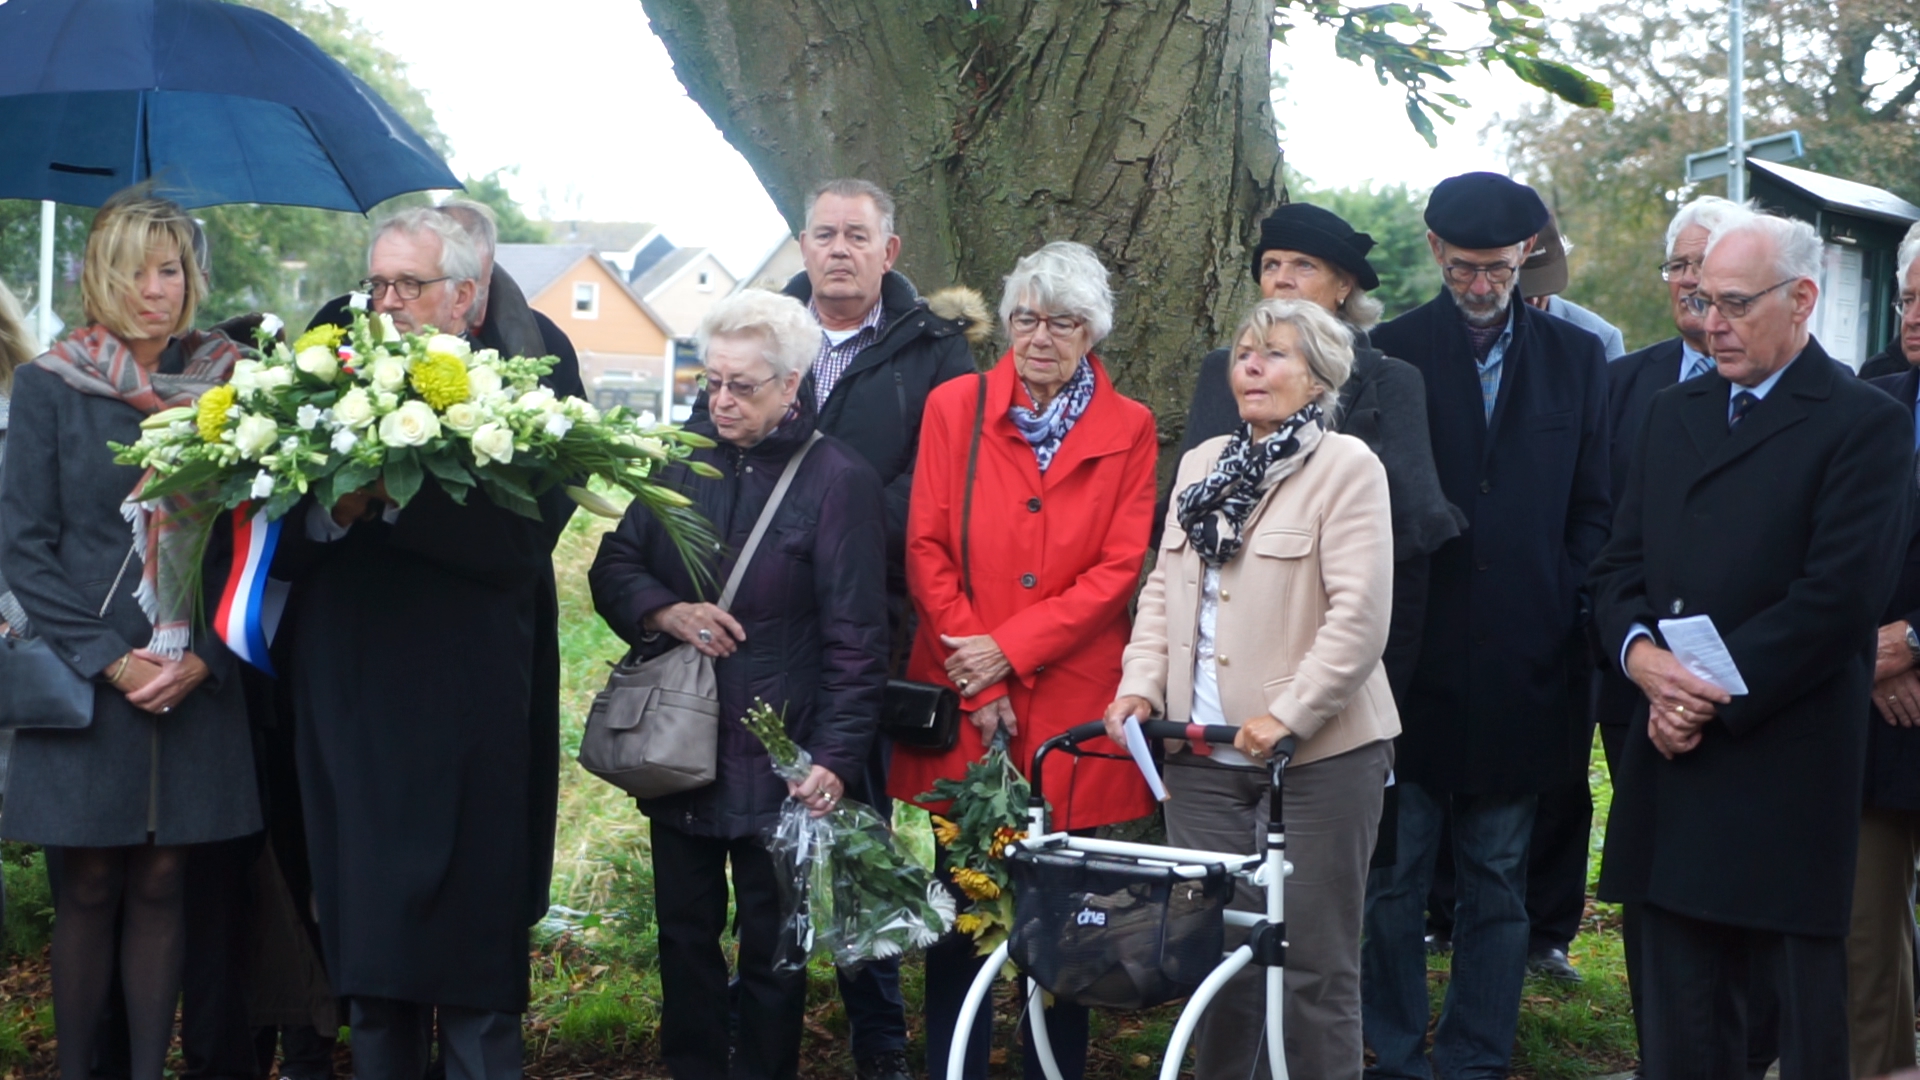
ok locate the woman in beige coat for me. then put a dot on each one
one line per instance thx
(1268, 610)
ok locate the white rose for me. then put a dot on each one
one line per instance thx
(255, 435)
(386, 401)
(275, 378)
(388, 373)
(411, 424)
(354, 409)
(246, 377)
(492, 442)
(580, 409)
(463, 417)
(484, 380)
(537, 398)
(318, 361)
(447, 343)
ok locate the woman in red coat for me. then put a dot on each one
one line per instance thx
(1030, 624)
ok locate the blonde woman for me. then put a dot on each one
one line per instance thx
(166, 760)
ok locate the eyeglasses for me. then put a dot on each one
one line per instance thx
(1026, 322)
(1732, 307)
(1901, 305)
(741, 389)
(1679, 268)
(405, 288)
(1460, 273)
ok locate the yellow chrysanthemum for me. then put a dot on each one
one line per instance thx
(944, 831)
(969, 924)
(441, 380)
(212, 415)
(326, 336)
(975, 884)
(1002, 837)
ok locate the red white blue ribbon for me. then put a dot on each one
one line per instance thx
(239, 617)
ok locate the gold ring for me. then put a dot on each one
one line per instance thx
(1893, 698)
(1680, 710)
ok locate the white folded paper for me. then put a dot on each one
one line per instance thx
(1143, 757)
(1696, 643)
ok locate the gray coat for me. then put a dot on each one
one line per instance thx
(185, 778)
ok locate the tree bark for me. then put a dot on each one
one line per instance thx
(1142, 129)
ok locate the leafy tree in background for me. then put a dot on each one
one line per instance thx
(1143, 129)
(1395, 216)
(515, 226)
(1845, 73)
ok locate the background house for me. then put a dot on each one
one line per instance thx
(683, 287)
(776, 267)
(624, 346)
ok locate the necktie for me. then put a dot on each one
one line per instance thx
(1743, 403)
(1700, 366)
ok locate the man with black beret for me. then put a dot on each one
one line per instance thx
(1517, 410)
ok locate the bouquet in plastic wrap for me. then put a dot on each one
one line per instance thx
(847, 890)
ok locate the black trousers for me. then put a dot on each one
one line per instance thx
(1613, 739)
(1701, 983)
(690, 904)
(1557, 862)
(391, 1040)
(216, 1037)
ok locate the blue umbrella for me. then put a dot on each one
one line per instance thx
(217, 102)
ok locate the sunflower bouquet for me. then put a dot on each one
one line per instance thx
(847, 890)
(986, 813)
(344, 408)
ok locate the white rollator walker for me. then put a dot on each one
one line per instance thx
(1117, 924)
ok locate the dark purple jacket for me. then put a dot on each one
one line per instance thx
(812, 603)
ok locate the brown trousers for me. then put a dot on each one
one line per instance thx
(1332, 817)
(1880, 944)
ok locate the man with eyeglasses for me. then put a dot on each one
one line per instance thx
(1880, 945)
(882, 349)
(423, 672)
(1516, 407)
(1771, 497)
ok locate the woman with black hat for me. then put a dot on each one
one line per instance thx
(1309, 253)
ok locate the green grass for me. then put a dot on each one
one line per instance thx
(596, 991)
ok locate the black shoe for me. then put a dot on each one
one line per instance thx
(1439, 943)
(1553, 964)
(887, 1065)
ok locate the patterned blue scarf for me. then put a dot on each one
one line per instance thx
(1044, 429)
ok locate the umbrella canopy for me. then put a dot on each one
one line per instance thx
(216, 102)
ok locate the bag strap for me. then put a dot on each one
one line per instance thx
(765, 519)
(966, 503)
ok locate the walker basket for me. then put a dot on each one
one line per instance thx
(1114, 932)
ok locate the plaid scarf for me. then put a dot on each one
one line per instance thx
(1213, 510)
(168, 533)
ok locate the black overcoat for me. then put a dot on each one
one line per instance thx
(1632, 381)
(412, 663)
(1787, 531)
(1893, 752)
(186, 777)
(812, 603)
(1497, 702)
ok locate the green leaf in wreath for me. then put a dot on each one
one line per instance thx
(402, 475)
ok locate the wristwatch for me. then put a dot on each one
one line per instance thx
(1913, 645)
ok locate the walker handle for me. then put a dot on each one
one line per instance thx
(1222, 734)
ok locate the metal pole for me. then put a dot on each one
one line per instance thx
(45, 298)
(1736, 104)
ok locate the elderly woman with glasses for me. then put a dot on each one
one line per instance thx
(1032, 501)
(806, 633)
(1268, 611)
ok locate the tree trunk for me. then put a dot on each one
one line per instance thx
(1142, 129)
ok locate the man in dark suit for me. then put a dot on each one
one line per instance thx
(1880, 936)
(1516, 404)
(1771, 498)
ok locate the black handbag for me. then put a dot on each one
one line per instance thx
(38, 690)
(926, 716)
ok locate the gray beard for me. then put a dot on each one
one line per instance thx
(1483, 317)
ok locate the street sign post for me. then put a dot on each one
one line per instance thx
(1707, 164)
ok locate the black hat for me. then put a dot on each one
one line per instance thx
(1482, 210)
(1309, 230)
(1545, 271)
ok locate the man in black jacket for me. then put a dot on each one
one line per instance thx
(882, 350)
(1880, 935)
(1771, 498)
(1516, 403)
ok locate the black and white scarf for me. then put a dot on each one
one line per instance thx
(1215, 509)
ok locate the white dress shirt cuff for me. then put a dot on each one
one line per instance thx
(321, 527)
(1639, 631)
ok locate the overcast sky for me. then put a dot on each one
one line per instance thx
(583, 100)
